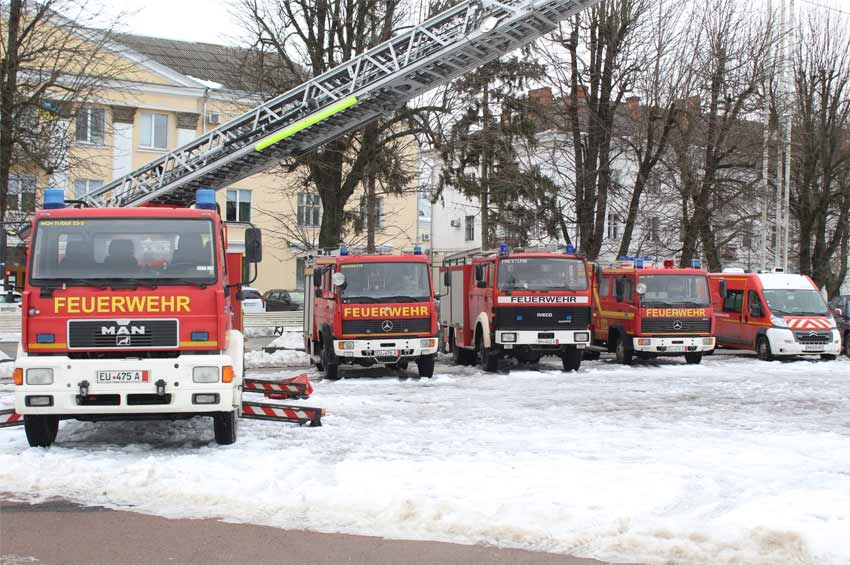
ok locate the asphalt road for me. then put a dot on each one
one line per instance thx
(60, 533)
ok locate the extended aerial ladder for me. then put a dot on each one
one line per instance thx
(341, 100)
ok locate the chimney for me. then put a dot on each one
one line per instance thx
(633, 106)
(541, 97)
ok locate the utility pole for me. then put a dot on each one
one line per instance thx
(765, 165)
(789, 108)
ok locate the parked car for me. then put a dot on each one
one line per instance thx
(252, 300)
(10, 301)
(840, 306)
(279, 300)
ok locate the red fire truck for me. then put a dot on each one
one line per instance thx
(643, 310)
(522, 303)
(370, 310)
(130, 313)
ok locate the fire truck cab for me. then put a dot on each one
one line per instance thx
(773, 314)
(370, 310)
(522, 303)
(644, 310)
(130, 313)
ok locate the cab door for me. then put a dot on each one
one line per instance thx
(755, 317)
(729, 320)
(481, 295)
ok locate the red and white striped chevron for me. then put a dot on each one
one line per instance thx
(278, 412)
(10, 418)
(808, 323)
(298, 385)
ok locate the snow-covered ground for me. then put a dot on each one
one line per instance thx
(289, 340)
(733, 461)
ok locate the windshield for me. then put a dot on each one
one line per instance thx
(784, 302)
(386, 282)
(674, 290)
(542, 274)
(103, 250)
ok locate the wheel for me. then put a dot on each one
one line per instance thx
(624, 351)
(847, 344)
(41, 430)
(828, 357)
(460, 355)
(572, 359)
(425, 364)
(763, 349)
(224, 426)
(330, 364)
(488, 360)
(319, 364)
(693, 358)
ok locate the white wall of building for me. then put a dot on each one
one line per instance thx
(445, 222)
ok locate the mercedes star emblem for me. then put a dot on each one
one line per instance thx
(677, 325)
(387, 326)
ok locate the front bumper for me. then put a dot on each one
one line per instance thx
(385, 350)
(556, 339)
(132, 398)
(673, 345)
(782, 342)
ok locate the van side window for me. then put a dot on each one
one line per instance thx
(734, 301)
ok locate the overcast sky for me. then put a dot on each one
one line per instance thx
(211, 21)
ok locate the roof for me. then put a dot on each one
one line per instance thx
(216, 66)
(127, 213)
(785, 281)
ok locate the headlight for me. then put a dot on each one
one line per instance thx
(582, 336)
(509, 337)
(778, 322)
(427, 343)
(205, 374)
(39, 376)
(708, 341)
(346, 345)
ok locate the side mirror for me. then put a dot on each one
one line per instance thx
(620, 289)
(641, 289)
(318, 293)
(839, 312)
(447, 278)
(479, 273)
(722, 289)
(317, 279)
(338, 280)
(597, 274)
(253, 245)
(755, 311)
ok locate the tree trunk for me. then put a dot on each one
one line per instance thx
(7, 101)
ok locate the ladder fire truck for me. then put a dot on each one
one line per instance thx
(370, 309)
(293, 124)
(524, 303)
(645, 310)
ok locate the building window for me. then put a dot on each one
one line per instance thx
(153, 132)
(239, 206)
(299, 273)
(613, 226)
(21, 196)
(470, 228)
(379, 211)
(309, 209)
(84, 186)
(90, 125)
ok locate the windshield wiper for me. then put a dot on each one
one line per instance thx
(688, 303)
(360, 298)
(401, 298)
(128, 283)
(183, 280)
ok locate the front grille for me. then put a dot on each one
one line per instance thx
(542, 317)
(813, 337)
(675, 325)
(377, 327)
(109, 334)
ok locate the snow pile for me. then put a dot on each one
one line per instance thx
(262, 331)
(733, 461)
(289, 340)
(280, 358)
(10, 337)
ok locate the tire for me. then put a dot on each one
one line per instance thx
(329, 364)
(41, 430)
(763, 349)
(460, 355)
(425, 365)
(224, 427)
(623, 351)
(829, 357)
(571, 359)
(319, 364)
(693, 358)
(488, 361)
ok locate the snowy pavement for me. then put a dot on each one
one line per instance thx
(732, 461)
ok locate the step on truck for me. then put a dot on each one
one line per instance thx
(521, 303)
(774, 314)
(368, 310)
(130, 313)
(647, 311)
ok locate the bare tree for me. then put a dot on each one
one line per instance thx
(821, 149)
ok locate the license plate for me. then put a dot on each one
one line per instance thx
(813, 347)
(547, 341)
(387, 353)
(676, 348)
(123, 376)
